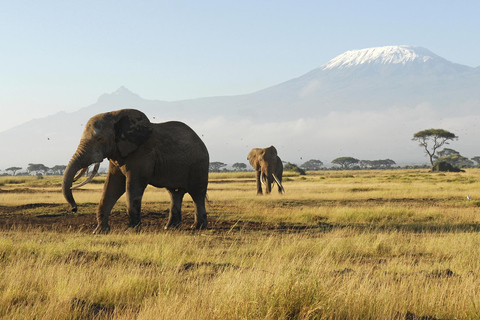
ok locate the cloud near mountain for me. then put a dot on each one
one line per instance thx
(364, 103)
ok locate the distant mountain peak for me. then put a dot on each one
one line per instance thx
(121, 97)
(122, 91)
(381, 55)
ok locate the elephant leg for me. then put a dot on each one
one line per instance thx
(175, 214)
(280, 190)
(200, 211)
(135, 190)
(114, 188)
(259, 183)
(268, 187)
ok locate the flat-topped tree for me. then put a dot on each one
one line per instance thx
(345, 162)
(476, 159)
(312, 165)
(216, 166)
(37, 167)
(239, 166)
(13, 169)
(432, 139)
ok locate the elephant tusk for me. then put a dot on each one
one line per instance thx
(262, 178)
(94, 172)
(80, 174)
(279, 183)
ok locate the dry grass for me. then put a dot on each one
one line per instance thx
(397, 244)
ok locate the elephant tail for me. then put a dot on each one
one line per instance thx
(279, 183)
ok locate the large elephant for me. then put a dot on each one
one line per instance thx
(166, 155)
(269, 168)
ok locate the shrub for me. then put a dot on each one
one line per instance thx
(293, 167)
(444, 166)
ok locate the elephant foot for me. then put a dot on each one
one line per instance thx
(134, 228)
(102, 229)
(173, 225)
(200, 225)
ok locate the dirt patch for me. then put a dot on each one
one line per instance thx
(18, 190)
(57, 217)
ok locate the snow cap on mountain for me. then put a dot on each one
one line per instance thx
(380, 55)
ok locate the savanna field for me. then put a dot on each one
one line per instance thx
(387, 244)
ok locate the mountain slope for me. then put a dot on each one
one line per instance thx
(378, 78)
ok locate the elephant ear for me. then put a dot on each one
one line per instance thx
(254, 156)
(131, 131)
(272, 151)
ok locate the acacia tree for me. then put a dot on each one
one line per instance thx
(13, 169)
(454, 158)
(345, 162)
(293, 167)
(446, 152)
(312, 165)
(387, 163)
(476, 159)
(239, 166)
(37, 168)
(58, 169)
(216, 166)
(432, 139)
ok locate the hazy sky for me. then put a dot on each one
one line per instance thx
(62, 55)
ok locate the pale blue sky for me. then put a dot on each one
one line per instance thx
(62, 55)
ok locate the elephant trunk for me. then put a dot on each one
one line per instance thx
(68, 176)
(267, 179)
(77, 163)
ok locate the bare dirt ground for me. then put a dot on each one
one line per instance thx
(57, 217)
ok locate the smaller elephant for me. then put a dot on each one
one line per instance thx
(269, 168)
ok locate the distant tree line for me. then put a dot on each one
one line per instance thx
(450, 156)
(35, 168)
(350, 163)
(431, 140)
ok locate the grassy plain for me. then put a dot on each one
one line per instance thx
(393, 244)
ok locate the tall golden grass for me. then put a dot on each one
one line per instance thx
(397, 244)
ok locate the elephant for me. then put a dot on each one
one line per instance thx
(268, 167)
(165, 155)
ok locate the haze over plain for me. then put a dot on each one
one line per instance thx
(164, 51)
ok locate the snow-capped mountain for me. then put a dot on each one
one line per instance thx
(394, 60)
(379, 78)
(381, 94)
(382, 55)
